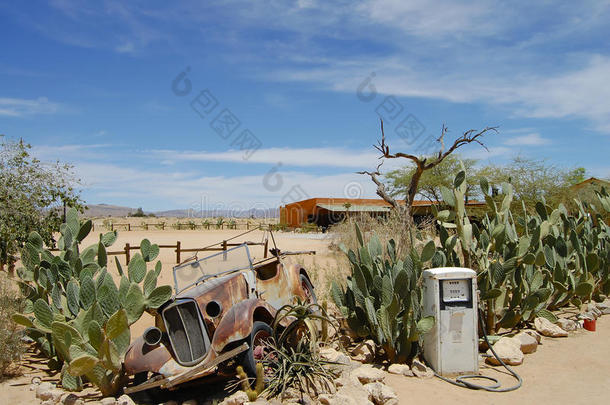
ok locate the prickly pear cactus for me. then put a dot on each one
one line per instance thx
(382, 299)
(527, 263)
(74, 309)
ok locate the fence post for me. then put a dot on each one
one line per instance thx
(111, 226)
(224, 250)
(129, 227)
(127, 254)
(266, 246)
(178, 252)
(92, 227)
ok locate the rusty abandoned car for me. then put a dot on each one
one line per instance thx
(218, 318)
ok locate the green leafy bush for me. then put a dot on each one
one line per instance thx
(383, 299)
(11, 346)
(75, 311)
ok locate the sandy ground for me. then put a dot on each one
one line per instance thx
(574, 370)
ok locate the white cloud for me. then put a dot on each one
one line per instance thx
(188, 190)
(304, 157)
(19, 107)
(533, 139)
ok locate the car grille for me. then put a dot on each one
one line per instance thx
(186, 332)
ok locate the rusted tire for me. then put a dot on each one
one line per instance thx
(260, 333)
(308, 288)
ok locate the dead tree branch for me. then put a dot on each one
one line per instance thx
(422, 163)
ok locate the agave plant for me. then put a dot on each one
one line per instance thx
(74, 309)
(293, 359)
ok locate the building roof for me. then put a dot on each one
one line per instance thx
(368, 202)
(355, 208)
(594, 181)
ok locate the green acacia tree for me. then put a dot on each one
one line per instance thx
(32, 197)
(535, 179)
(432, 180)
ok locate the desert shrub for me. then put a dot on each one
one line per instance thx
(393, 226)
(307, 227)
(11, 345)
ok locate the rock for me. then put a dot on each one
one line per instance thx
(70, 399)
(420, 370)
(528, 343)
(190, 402)
(42, 390)
(533, 334)
(48, 402)
(52, 394)
(547, 328)
(126, 400)
(368, 374)
(345, 340)
(400, 369)
(330, 354)
(592, 307)
(108, 401)
(508, 350)
(259, 401)
(381, 394)
(364, 351)
(603, 307)
(337, 399)
(567, 324)
(238, 398)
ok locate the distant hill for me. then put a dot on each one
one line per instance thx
(106, 210)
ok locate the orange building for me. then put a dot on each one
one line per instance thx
(327, 211)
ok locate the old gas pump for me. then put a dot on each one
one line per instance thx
(450, 295)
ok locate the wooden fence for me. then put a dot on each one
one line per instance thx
(223, 246)
(181, 226)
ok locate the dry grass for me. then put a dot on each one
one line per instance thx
(394, 226)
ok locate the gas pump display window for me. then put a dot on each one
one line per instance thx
(456, 293)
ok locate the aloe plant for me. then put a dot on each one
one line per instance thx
(383, 299)
(75, 311)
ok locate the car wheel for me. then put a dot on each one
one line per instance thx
(308, 288)
(261, 332)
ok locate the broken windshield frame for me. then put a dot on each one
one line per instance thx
(192, 273)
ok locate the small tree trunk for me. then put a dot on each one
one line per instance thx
(491, 318)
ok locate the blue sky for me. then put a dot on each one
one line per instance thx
(96, 84)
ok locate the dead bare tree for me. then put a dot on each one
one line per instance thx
(421, 164)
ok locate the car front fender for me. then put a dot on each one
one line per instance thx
(142, 357)
(236, 324)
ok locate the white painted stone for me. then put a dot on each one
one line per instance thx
(381, 394)
(400, 369)
(364, 352)
(567, 324)
(547, 328)
(528, 343)
(367, 374)
(508, 350)
(238, 398)
(420, 370)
